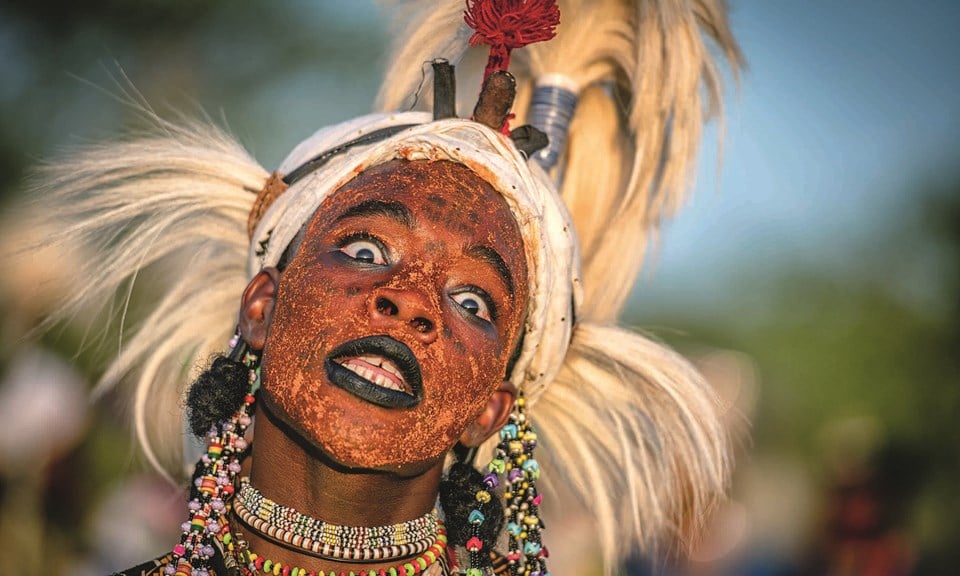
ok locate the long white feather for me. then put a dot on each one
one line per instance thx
(159, 201)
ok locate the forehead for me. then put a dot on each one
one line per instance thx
(441, 192)
(434, 189)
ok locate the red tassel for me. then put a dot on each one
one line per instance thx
(509, 24)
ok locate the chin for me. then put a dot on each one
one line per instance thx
(346, 439)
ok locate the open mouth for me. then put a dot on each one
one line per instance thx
(377, 369)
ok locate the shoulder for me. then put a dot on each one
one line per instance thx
(149, 568)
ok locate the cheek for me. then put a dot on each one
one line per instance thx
(310, 312)
(466, 375)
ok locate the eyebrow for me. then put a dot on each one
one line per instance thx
(393, 210)
(491, 257)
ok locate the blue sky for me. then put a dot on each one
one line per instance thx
(845, 106)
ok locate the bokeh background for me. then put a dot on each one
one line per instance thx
(813, 275)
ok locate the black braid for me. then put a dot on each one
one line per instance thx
(458, 499)
(217, 394)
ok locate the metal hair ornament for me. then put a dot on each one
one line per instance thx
(552, 106)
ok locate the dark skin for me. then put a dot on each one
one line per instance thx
(445, 275)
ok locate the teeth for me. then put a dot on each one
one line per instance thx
(368, 374)
(389, 367)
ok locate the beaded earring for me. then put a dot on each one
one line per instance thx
(213, 479)
(513, 459)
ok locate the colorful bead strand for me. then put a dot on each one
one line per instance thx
(514, 458)
(318, 538)
(257, 564)
(213, 483)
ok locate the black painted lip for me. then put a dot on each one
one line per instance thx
(391, 349)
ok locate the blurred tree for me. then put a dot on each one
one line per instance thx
(875, 344)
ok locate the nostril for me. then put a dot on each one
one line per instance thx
(422, 325)
(386, 307)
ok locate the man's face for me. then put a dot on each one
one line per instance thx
(394, 322)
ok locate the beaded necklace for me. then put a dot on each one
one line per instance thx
(367, 543)
(254, 564)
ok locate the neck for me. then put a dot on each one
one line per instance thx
(292, 473)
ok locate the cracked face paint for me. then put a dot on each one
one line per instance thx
(394, 322)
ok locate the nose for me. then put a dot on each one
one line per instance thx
(406, 307)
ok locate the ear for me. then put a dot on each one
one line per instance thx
(493, 417)
(256, 307)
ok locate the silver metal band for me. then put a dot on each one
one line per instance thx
(551, 109)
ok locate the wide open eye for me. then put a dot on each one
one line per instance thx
(474, 301)
(366, 250)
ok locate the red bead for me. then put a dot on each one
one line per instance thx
(474, 544)
(258, 562)
(285, 571)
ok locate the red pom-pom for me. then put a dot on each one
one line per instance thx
(509, 24)
(474, 544)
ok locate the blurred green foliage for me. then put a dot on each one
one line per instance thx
(877, 342)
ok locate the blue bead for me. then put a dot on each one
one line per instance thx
(508, 432)
(531, 548)
(513, 528)
(532, 468)
(475, 517)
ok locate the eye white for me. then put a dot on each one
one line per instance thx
(364, 251)
(473, 304)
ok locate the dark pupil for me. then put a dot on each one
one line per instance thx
(470, 305)
(364, 255)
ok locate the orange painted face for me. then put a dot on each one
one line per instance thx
(395, 321)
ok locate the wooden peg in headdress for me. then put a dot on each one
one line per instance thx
(444, 90)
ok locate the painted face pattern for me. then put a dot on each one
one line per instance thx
(396, 319)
